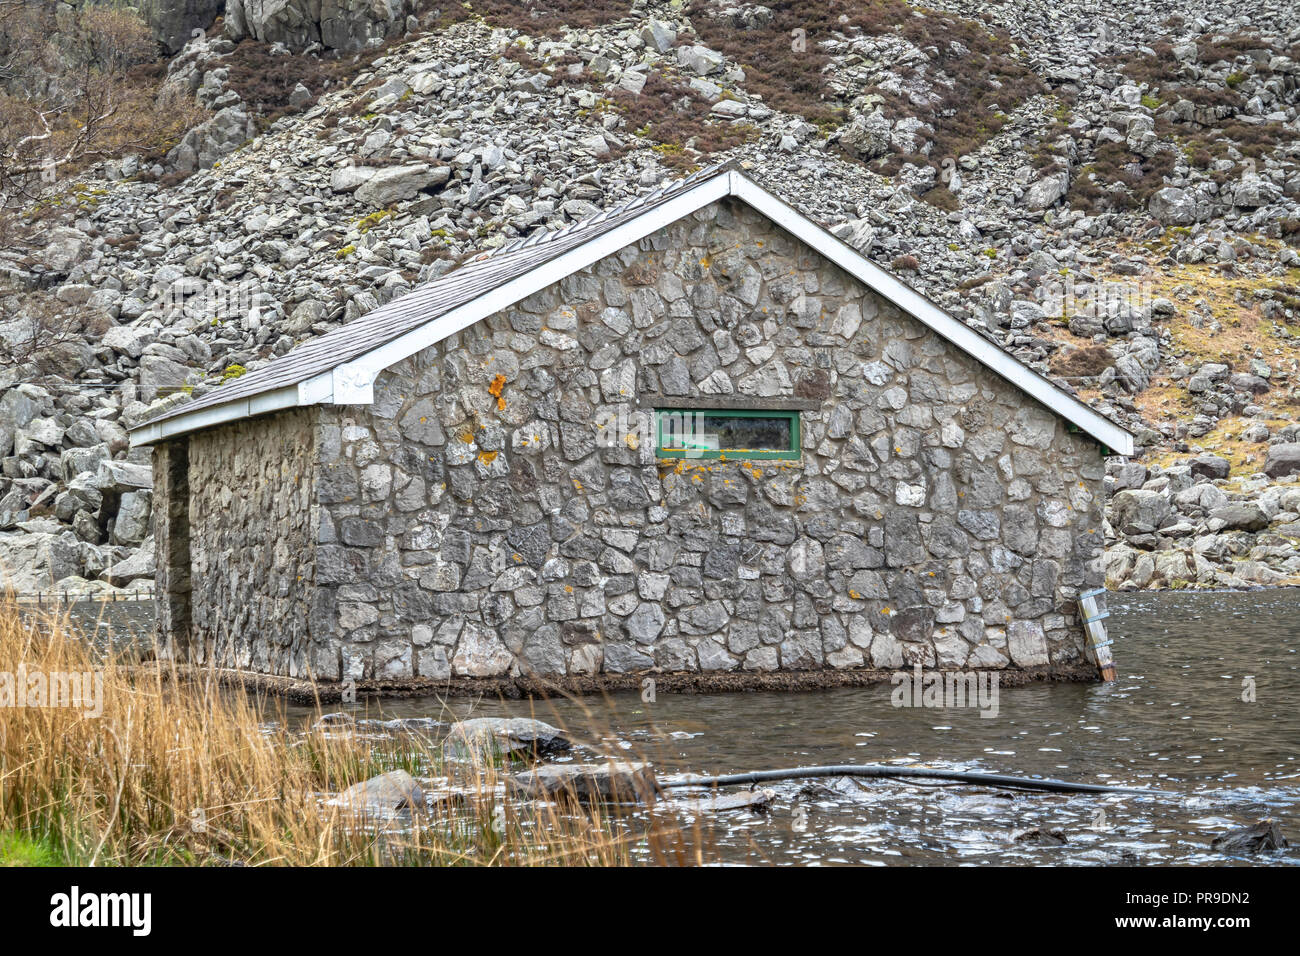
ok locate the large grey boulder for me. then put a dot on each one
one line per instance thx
(142, 564)
(866, 137)
(64, 248)
(1047, 190)
(173, 21)
(700, 59)
(126, 340)
(1239, 516)
(119, 477)
(1173, 206)
(160, 375)
(1282, 460)
(35, 562)
(20, 405)
(659, 35)
(1129, 475)
(131, 526)
(76, 461)
(206, 143)
(1139, 511)
(348, 179)
(343, 25)
(1210, 466)
(1253, 192)
(399, 183)
(37, 434)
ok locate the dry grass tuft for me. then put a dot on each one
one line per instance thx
(180, 771)
(1225, 440)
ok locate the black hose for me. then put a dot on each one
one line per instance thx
(877, 770)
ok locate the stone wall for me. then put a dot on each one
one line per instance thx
(252, 532)
(484, 517)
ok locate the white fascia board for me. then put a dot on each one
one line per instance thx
(273, 401)
(319, 389)
(1119, 440)
(353, 382)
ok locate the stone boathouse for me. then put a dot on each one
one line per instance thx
(694, 435)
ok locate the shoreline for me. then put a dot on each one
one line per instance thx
(305, 691)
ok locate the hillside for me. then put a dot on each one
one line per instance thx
(1111, 191)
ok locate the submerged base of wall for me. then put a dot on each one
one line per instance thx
(514, 688)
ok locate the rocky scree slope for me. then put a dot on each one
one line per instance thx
(1122, 214)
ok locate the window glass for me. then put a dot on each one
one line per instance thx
(731, 433)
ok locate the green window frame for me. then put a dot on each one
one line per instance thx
(664, 450)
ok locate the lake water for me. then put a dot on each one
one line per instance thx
(1175, 720)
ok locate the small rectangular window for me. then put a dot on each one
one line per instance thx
(726, 433)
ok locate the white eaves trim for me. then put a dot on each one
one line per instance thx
(352, 382)
(272, 401)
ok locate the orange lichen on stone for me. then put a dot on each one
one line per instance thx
(487, 457)
(495, 389)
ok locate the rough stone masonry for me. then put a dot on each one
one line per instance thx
(500, 511)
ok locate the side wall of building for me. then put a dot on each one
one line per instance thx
(171, 534)
(500, 507)
(253, 522)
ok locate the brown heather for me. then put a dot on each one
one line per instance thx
(987, 80)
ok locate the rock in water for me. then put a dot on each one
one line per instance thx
(616, 781)
(395, 790)
(751, 799)
(1040, 836)
(507, 736)
(1260, 837)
